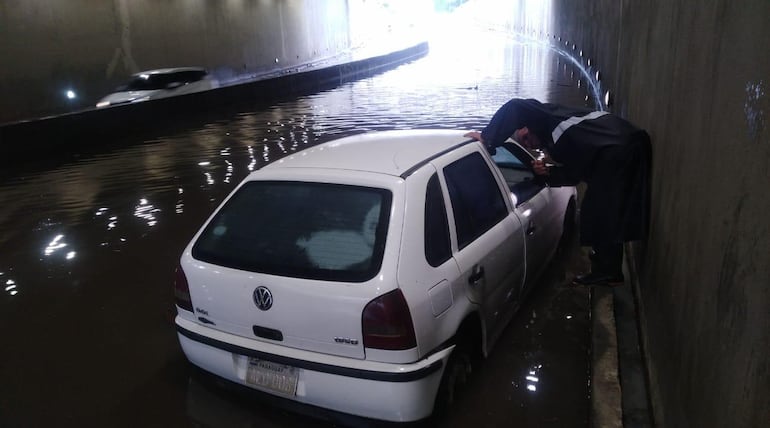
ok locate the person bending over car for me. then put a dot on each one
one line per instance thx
(608, 153)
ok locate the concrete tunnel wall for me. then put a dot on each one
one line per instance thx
(49, 47)
(695, 75)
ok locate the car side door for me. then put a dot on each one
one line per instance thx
(427, 273)
(487, 237)
(532, 198)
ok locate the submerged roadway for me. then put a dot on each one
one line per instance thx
(89, 243)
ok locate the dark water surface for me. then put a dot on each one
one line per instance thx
(88, 248)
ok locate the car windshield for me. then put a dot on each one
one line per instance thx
(300, 229)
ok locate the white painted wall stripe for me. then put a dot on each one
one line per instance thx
(574, 120)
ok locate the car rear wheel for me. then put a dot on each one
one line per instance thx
(456, 375)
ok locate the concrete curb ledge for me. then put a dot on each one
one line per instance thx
(637, 411)
(606, 402)
(619, 393)
(49, 136)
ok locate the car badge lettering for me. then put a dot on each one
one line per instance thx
(263, 298)
(346, 340)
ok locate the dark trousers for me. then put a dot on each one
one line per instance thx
(607, 259)
(616, 203)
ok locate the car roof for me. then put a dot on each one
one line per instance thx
(169, 70)
(385, 152)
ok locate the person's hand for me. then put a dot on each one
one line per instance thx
(476, 135)
(540, 167)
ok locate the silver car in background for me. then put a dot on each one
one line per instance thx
(160, 83)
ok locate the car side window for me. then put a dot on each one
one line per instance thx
(189, 76)
(437, 245)
(526, 190)
(513, 169)
(477, 203)
(519, 176)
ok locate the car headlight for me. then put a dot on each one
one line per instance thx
(102, 104)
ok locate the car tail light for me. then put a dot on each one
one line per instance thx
(387, 324)
(182, 290)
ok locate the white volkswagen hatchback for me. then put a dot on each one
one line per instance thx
(365, 275)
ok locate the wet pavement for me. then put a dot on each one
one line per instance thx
(89, 243)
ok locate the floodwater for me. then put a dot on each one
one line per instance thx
(88, 246)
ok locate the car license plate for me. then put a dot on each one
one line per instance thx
(274, 377)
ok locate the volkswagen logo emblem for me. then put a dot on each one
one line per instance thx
(263, 298)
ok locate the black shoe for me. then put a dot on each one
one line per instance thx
(598, 279)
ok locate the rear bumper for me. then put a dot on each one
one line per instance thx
(392, 392)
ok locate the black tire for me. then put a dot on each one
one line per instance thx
(456, 374)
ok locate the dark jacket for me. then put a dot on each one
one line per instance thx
(605, 151)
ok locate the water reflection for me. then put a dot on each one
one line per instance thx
(179, 206)
(10, 286)
(54, 245)
(146, 211)
(532, 378)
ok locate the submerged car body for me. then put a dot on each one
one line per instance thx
(361, 275)
(160, 83)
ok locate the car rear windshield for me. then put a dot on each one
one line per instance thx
(299, 229)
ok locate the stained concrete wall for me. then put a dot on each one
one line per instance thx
(695, 75)
(48, 47)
